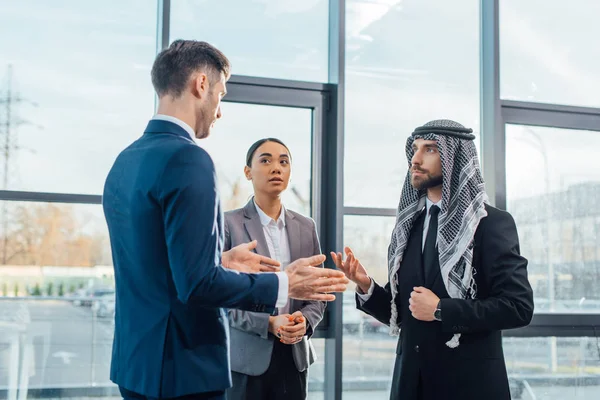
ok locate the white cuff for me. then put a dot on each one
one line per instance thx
(365, 297)
(282, 295)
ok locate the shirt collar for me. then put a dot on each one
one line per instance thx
(430, 203)
(177, 121)
(265, 219)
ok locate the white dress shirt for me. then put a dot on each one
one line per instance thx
(282, 294)
(428, 204)
(277, 242)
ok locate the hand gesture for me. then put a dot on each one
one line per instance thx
(353, 269)
(241, 258)
(309, 283)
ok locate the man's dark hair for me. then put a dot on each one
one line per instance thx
(259, 143)
(174, 65)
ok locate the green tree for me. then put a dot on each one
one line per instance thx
(16, 289)
(36, 290)
(50, 289)
(61, 289)
(71, 288)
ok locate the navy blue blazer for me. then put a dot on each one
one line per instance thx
(165, 224)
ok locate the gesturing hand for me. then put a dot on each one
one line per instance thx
(309, 283)
(353, 269)
(241, 258)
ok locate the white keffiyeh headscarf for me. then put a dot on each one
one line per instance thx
(463, 199)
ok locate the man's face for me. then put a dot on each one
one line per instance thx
(426, 165)
(209, 105)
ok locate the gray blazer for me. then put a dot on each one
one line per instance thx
(250, 340)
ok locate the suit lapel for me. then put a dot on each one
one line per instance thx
(432, 281)
(255, 229)
(419, 254)
(292, 227)
(294, 238)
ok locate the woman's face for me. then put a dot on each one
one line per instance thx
(270, 168)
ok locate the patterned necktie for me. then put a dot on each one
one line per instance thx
(430, 253)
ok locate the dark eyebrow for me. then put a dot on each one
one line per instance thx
(284, 155)
(266, 155)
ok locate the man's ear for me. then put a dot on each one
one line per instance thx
(200, 84)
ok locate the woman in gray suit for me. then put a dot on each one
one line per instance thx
(270, 354)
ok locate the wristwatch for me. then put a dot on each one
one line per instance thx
(437, 314)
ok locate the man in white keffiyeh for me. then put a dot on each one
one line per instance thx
(456, 277)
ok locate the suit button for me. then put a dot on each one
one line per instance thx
(417, 348)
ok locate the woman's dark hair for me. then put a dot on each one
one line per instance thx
(259, 143)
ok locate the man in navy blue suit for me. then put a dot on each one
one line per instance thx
(165, 223)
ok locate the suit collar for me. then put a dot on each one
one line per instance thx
(162, 126)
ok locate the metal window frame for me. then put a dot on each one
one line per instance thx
(332, 235)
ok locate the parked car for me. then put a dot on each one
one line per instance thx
(87, 297)
(104, 305)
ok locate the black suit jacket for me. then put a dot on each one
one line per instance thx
(474, 370)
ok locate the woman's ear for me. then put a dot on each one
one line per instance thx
(247, 172)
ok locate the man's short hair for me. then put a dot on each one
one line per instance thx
(174, 65)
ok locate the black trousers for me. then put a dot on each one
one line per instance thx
(129, 395)
(281, 381)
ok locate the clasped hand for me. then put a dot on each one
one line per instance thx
(288, 328)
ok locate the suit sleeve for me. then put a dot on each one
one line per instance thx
(247, 321)
(510, 301)
(190, 204)
(313, 310)
(379, 304)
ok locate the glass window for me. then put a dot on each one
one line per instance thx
(369, 350)
(552, 185)
(73, 92)
(65, 341)
(244, 124)
(266, 38)
(316, 372)
(553, 368)
(407, 62)
(541, 63)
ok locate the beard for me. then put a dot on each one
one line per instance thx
(205, 118)
(426, 181)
